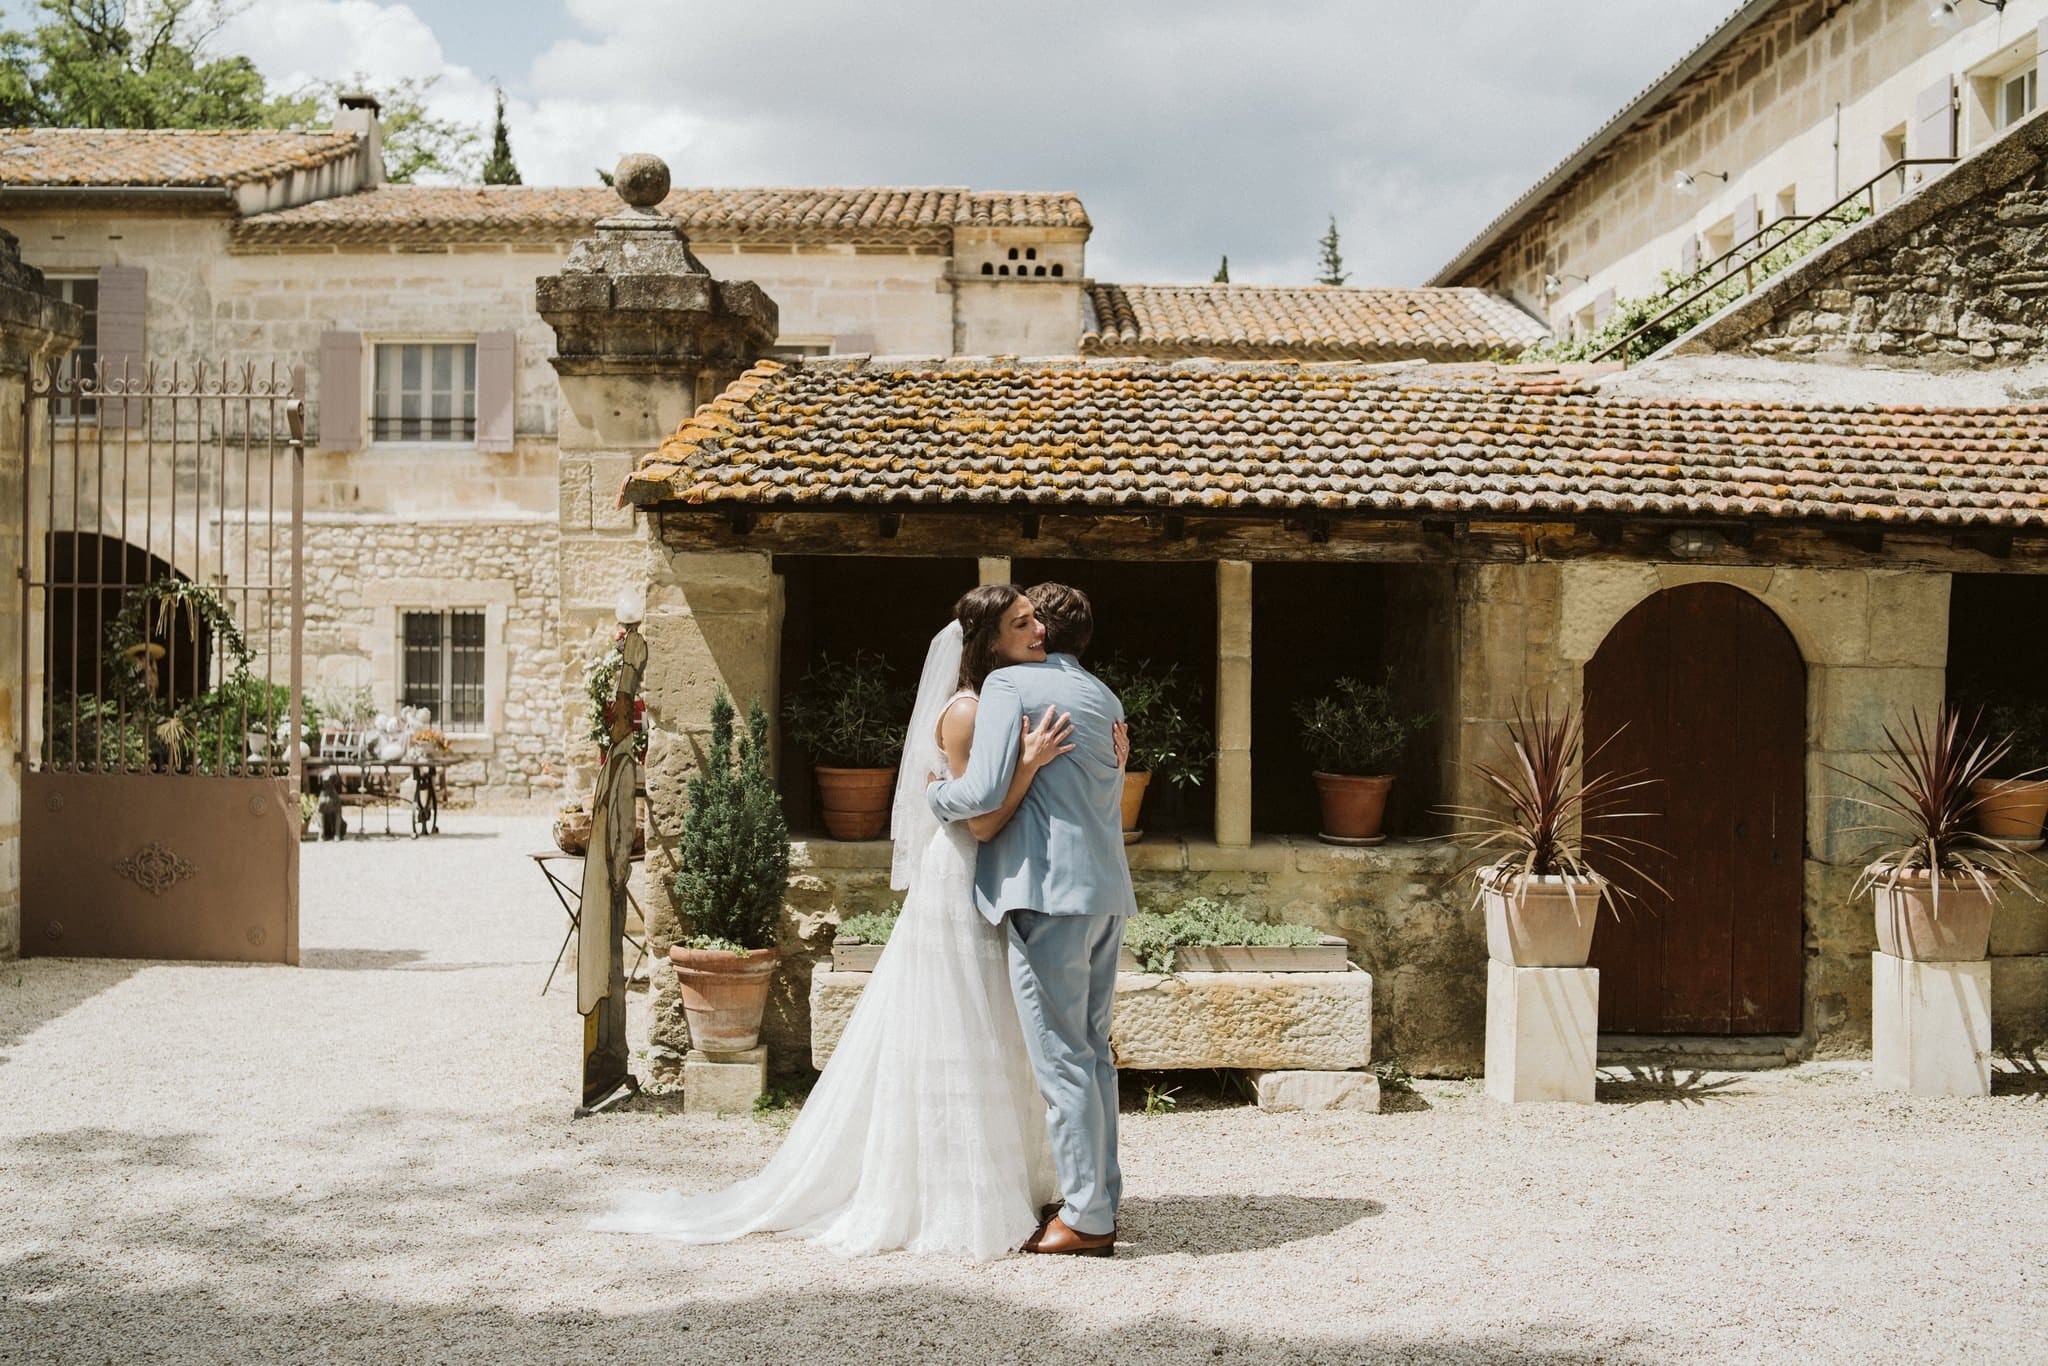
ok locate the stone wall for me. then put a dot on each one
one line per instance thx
(1765, 112)
(361, 573)
(1956, 276)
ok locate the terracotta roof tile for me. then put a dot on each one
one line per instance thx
(1469, 441)
(1309, 323)
(162, 157)
(892, 214)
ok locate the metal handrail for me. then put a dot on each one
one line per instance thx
(1748, 266)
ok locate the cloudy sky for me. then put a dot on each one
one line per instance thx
(1189, 127)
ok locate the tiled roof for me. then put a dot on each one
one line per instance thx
(895, 214)
(162, 157)
(1498, 443)
(1311, 323)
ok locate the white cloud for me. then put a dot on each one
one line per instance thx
(1190, 127)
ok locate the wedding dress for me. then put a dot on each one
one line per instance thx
(926, 1130)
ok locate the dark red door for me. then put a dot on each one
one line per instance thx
(1708, 693)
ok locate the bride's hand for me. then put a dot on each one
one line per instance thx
(1045, 742)
(1120, 734)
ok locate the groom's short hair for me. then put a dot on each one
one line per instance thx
(1069, 619)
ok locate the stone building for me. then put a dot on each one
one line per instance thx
(1785, 108)
(443, 542)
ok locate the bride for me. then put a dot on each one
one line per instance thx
(925, 1130)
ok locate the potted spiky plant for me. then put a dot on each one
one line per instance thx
(850, 717)
(1936, 877)
(1168, 743)
(1355, 734)
(734, 857)
(1542, 895)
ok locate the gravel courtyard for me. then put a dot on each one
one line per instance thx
(371, 1158)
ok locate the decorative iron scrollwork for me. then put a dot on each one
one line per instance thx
(155, 869)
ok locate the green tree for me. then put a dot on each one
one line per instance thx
(1331, 264)
(416, 143)
(126, 64)
(1222, 275)
(498, 167)
(733, 852)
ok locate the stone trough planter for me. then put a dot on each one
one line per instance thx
(1304, 1031)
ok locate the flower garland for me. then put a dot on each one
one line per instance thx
(601, 681)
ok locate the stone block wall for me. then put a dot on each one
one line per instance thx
(13, 469)
(1957, 276)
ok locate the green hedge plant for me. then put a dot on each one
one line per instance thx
(1168, 739)
(1358, 728)
(734, 848)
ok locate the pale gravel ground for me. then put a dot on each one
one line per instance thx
(370, 1158)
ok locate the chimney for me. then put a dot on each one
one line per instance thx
(358, 114)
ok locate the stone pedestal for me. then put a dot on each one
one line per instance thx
(1930, 1026)
(724, 1083)
(1542, 1025)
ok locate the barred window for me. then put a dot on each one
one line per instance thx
(426, 391)
(83, 290)
(441, 666)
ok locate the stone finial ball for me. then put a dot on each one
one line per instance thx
(641, 179)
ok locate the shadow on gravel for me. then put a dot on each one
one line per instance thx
(2025, 1074)
(357, 960)
(36, 991)
(67, 1317)
(1213, 1225)
(1662, 1085)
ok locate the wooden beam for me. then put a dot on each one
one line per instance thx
(975, 534)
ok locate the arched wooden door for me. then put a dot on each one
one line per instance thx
(1708, 693)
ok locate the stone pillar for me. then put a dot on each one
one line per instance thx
(1234, 703)
(643, 336)
(1541, 1032)
(1931, 1026)
(34, 330)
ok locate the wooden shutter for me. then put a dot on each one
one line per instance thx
(341, 391)
(496, 353)
(123, 340)
(1934, 121)
(1746, 219)
(1689, 253)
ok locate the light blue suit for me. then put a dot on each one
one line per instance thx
(1058, 872)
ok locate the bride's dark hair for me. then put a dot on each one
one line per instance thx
(980, 613)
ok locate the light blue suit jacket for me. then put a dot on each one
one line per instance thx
(1063, 852)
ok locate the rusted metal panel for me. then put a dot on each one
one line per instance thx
(118, 865)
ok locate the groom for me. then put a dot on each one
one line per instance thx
(1057, 872)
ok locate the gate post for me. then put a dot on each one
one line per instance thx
(643, 336)
(35, 329)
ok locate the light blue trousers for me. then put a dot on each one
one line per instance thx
(1063, 970)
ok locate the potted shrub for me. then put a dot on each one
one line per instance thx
(1935, 880)
(2013, 798)
(1168, 743)
(1354, 734)
(850, 718)
(734, 860)
(1541, 896)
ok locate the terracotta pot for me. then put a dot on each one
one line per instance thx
(724, 995)
(572, 833)
(1353, 807)
(2012, 809)
(1908, 926)
(1545, 922)
(1134, 799)
(857, 801)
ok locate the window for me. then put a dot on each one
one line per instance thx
(83, 290)
(425, 391)
(441, 666)
(788, 348)
(2018, 95)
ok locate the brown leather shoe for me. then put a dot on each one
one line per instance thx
(1057, 1240)
(1048, 1213)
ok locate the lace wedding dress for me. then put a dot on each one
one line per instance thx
(925, 1130)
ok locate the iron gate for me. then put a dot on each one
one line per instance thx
(162, 581)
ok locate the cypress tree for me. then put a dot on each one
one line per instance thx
(1222, 276)
(498, 167)
(1332, 263)
(734, 848)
